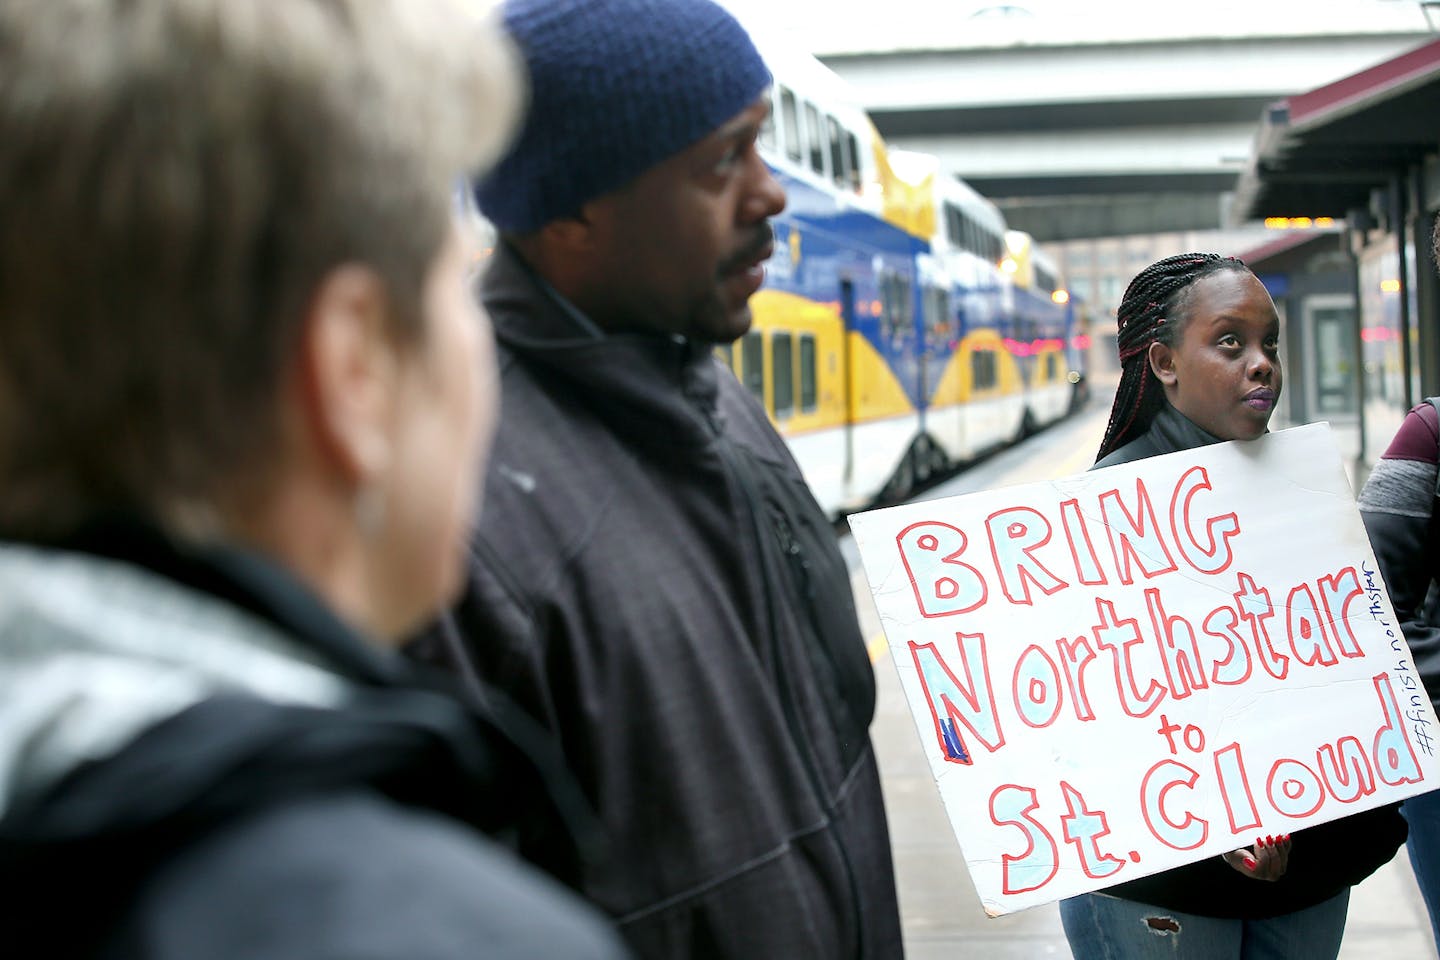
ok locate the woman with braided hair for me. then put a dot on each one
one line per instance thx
(1199, 353)
(1156, 305)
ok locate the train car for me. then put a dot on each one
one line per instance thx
(889, 341)
(977, 401)
(1043, 332)
(834, 352)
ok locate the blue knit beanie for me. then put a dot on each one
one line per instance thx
(616, 86)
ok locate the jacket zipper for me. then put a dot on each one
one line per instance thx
(795, 555)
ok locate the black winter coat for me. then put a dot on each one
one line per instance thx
(653, 580)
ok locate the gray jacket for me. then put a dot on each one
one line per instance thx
(198, 760)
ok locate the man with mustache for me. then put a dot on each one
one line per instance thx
(652, 578)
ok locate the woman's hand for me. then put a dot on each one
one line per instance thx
(1267, 860)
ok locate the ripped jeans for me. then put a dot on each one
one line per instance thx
(1101, 927)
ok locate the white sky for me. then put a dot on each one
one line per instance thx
(830, 26)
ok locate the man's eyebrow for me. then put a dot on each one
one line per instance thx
(741, 126)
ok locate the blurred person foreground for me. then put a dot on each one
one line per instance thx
(244, 400)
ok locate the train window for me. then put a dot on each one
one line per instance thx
(937, 316)
(982, 369)
(752, 364)
(815, 139)
(852, 169)
(1052, 365)
(895, 300)
(790, 124)
(782, 360)
(767, 130)
(837, 152)
(1044, 279)
(807, 373)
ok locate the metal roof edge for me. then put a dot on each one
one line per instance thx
(1348, 94)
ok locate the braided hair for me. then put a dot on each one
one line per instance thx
(1153, 310)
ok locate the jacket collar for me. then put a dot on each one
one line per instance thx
(163, 681)
(249, 582)
(1171, 430)
(647, 385)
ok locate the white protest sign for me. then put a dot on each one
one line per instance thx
(1127, 670)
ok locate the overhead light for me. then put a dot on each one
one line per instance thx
(1299, 223)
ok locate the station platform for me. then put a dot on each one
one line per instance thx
(941, 914)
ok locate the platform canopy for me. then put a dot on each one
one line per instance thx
(1321, 153)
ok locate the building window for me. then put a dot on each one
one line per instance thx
(1110, 290)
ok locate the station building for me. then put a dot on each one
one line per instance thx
(1360, 300)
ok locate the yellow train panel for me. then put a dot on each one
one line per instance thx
(814, 333)
(814, 336)
(904, 204)
(877, 391)
(1050, 367)
(1001, 375)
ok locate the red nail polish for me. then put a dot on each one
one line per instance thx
(1249, 863)
(1260, 843)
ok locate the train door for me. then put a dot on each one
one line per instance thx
(934, 337)
(847, 378)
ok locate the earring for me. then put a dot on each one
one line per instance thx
(369, 507)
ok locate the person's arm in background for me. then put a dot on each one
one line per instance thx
(1397, 507)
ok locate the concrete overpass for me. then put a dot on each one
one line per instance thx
(1083, 123)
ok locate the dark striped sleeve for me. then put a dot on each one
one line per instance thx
(1403, 481)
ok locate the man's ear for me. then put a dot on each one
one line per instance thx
(571, 253)
(571, 234)
(348, 373)
(1162, 363)
(577, 235)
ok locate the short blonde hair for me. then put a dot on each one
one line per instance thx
(176, 179)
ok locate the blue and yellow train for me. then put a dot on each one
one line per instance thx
(901, 329)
